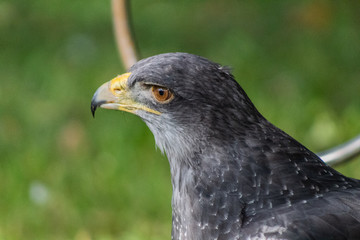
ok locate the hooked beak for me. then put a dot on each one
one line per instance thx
(116, 94)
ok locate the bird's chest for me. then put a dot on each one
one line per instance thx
(206, 210)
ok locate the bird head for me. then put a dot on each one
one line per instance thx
(184, 99)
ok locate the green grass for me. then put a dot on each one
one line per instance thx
(64, 175)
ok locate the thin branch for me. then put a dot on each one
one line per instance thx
(341, 153)
(124, 39)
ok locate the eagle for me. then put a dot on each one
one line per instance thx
(234, 174)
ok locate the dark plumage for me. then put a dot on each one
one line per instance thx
(234, 174)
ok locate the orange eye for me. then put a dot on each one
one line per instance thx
(161, 94)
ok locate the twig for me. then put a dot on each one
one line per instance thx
(341, 153)
(124, 40)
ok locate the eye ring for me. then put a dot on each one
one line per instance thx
(161, 94)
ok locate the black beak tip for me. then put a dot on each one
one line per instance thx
(93, 109)
(94, 105)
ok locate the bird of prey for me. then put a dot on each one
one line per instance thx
(234, 174)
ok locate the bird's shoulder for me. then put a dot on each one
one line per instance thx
(335, 215)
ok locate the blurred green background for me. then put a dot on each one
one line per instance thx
(65, 175)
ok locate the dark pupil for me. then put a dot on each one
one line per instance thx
(161, 92)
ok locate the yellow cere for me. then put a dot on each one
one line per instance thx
(118, 87)
(119, 83)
